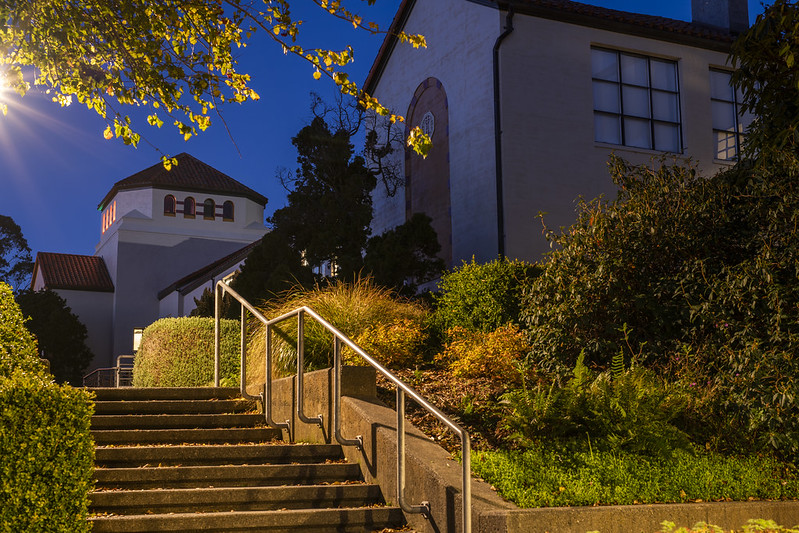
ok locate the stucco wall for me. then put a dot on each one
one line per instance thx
(460, 36)
(94, 309)
(549, 153)
(148, 264)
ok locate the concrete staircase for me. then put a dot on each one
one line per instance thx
(201, 460)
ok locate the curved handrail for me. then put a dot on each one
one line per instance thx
(339, 337)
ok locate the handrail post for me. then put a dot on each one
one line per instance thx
(466, 469)
(217, 313)
(268, 385)
(300, 371)
(358, 440)
(243, 352)
(424, 507)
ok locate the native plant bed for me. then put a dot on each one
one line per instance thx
(580, 471)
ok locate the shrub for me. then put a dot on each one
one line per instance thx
(17, 344)
(179, 352)
(495, 355)
(752, 525)
(48, 455)
(59, 332)
(482, 297)
(45, 444)
(699, 266)
(355, 309)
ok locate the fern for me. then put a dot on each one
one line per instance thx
(617, 365)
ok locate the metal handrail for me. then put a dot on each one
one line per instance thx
(338, 338)
(117, 371)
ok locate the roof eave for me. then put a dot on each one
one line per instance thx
(405, 8)
(257, 198)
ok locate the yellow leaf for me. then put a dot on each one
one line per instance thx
(317, 75)
(108, 134)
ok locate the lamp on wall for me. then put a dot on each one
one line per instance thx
(137, 332)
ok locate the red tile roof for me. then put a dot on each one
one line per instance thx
(190, 174)
(660, 28)
(74, 272)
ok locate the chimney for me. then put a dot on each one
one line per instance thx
(730, 15)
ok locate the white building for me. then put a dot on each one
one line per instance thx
(527, 99)
(165, 235)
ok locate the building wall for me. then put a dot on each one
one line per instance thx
(548, 150)
(460, 36)
(146, 251)
(176, 304)
(144, 268)
(95, 311)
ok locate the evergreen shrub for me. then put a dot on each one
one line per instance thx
(179, 352)
(47, 452)
(48, 455)
(699, 277)
(482, 296)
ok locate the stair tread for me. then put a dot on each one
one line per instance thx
(175, 459)
(214, 499)
(354, 518)
(274, 452)
(185, 435)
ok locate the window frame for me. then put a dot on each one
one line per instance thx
(206, 206)
(170, 211)
(225, 206)
(189, 213)
(621, 115)
(738, 133)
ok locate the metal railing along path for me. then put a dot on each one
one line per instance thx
(403, 390)
(115, 376)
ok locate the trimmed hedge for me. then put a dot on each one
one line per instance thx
(179, 352)
(47, 452)
(48, 455)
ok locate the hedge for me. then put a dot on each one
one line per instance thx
(48, 455)
(179, 352)
(47, 466)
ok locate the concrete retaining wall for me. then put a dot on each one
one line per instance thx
(432, 476)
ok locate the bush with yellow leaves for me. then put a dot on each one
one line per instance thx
(494, 355)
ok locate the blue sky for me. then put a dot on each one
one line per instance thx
(55, 166)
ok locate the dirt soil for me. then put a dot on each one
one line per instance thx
(472, 403)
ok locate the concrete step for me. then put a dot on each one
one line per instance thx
(164, 393)
(173, 407)
(317, 520)
(225, 476)
(206, 455)
(185, 436)
(182, 421)
(127, 502)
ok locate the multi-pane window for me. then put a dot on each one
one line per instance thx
(729, 124)
(636, 100)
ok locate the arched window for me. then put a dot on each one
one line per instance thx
(188, 207)
(227, 211)
(169, 205)
(208, 209)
